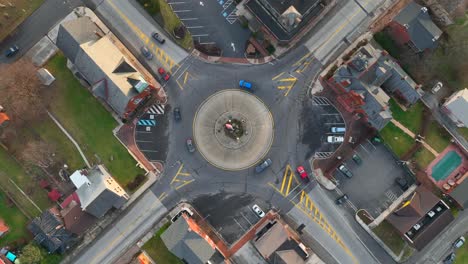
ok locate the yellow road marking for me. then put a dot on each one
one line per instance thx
(183, 184)
(143, 37)
(341, 27)
(180, 86)
(277, 76)
(303, 58)
(162, 196)
(288, 79)
(185, 77)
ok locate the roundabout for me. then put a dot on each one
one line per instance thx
(233, 129)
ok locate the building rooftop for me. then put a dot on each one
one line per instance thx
(186, 244)
(423, 32)
(458, 106)
(460, 193)
(284, 19)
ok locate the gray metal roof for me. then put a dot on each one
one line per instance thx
(185, 244)
(423, 32)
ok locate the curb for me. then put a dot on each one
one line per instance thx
(240, 61)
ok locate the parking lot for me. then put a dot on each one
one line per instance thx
(372, 186)
(317, 119)
(150, 131)
(213, 23)
(230, 214)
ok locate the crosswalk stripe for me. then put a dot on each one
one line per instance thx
(156, 109)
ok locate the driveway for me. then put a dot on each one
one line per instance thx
(213, 23)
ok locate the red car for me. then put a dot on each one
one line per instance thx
(164, 74)
(303, 173)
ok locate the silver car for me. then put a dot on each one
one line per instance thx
(258, 211)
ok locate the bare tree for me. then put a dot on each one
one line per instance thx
(20, 91)
(39, 153)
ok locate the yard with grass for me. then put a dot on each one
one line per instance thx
(87, 120)
(423, 157)
(15, 14)
(399, 141)
(156, 249)
(19, 185)
(437, 137)
(411, 118)
(389, 235)
(14, 219)
(462, 255)
(170, 20)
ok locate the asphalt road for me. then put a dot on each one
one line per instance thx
(282, 85)
(37, 26)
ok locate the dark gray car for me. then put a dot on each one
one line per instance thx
(145, 51)
(190, 146)
(345, 171)
(262, 166)
(158, 37)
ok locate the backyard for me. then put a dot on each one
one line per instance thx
(14, 13)
(20, 186)
(85, 118)
(156, 249)
(14, 219)
(387, 233)
(411, 118)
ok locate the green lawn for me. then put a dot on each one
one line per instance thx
(50, 132)
(10, 169)
(411, 118)
(86, 119)
(464, 132)
(158, 251)
(14, 219)
(387, 44)
(398, 140)
(462, 255)
(389, 235)
(423, 157)
(437, 137)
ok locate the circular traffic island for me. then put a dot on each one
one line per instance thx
(233, 130)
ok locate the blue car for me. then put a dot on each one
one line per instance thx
(10, 52)
(245, 84)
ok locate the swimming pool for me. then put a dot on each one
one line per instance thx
(446, 165)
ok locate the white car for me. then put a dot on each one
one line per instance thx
(258, 211)
(335, 139)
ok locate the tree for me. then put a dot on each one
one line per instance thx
(31, 254)
(39, 153)
(20, 91)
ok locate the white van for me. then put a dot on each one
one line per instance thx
(338, 130)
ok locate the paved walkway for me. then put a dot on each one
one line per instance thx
(407, 131)
(71, 139)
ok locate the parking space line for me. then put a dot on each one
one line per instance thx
(147, 141)
(147, 132)
(147, 150)
(192, 18)
(200, 35)
(181, 11)
(195, 27)
(176, 3)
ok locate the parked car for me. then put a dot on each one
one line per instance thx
(335, 139)
(262, 166)
(357, 159)
(258, 211)
(345, 171)
(450, 258)
(245, 84)
(164, 74)
(177, 115)
(341, 199)
(436, 87)
(11, 51)
(303, 173)
(402, 182)
(158, 37)
(459, 242)
(145, 51)
(338, 130)
(190, 146)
